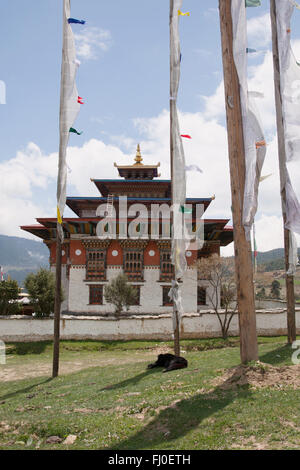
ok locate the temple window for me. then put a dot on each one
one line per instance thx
(166, 267)
(96, 295)
(134, 265)
(96, 265)
(167, 302)
(201, 296)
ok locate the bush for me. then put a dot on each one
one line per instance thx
(41, 289)
(120, 293)
(9, 294)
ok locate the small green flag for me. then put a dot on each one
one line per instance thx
(185, 210)
(253, 3)
(74, 131)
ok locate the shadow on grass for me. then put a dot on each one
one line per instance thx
(21, 349)
(277, 356)
(24, 390)
(182, 417)
(133, 380)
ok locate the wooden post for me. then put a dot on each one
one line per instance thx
(290, 293)
(172, 112)
(57, 306)
(242, 247)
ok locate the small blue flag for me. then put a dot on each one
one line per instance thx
(73, 20)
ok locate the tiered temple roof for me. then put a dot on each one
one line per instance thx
(138, 185)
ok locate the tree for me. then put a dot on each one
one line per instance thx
(275, 289)
(41, 290)
(120, 293)
(9, 294)
(219, 273)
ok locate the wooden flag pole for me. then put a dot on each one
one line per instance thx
(57, 305)
(290, 292)
(242, 247)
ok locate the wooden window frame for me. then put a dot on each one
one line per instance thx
(133, 265)
(96, 258)
(94, 287)
(166, 266)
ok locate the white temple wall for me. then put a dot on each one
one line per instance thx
(151, 294)
(210, 295)
(141, 327)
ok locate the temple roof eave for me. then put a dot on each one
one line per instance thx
(215, 230)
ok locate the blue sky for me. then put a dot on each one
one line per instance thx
(124, 81)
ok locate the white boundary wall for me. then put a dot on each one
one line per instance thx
(194, 325)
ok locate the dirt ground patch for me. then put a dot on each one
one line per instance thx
(30, 369)
(258, 376)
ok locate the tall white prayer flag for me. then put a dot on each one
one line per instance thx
(69, 108)
(179, 244)
(290, 99)
(290, 95)
(254, 142)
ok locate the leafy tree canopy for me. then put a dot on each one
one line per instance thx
(41, 289)
(9, 293)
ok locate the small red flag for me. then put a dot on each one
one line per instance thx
(80, 100)
(186, 136)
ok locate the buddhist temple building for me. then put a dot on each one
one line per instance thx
(89, 261)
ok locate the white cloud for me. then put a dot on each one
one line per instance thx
(259, 31)
(92, 40)
(23, 177)
(214, 105)
(28, 181)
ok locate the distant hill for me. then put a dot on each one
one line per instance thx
(272, 260)
(20, 256)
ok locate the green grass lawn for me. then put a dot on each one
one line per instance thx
(113, 402)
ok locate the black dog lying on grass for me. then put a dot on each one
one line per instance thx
(170, 362)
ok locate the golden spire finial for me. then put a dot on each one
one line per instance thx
(138, 157)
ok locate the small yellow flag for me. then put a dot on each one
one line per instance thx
(59, 219)
(263, 178)
(183, 14)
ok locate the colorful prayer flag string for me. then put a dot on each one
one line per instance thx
(295, 4)
(263, 178)
(185, 210)
(252, 3)
(74, 21)
(59, 219)
(193, 168)
(260, 144)
(74, 131)
(183, 14)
